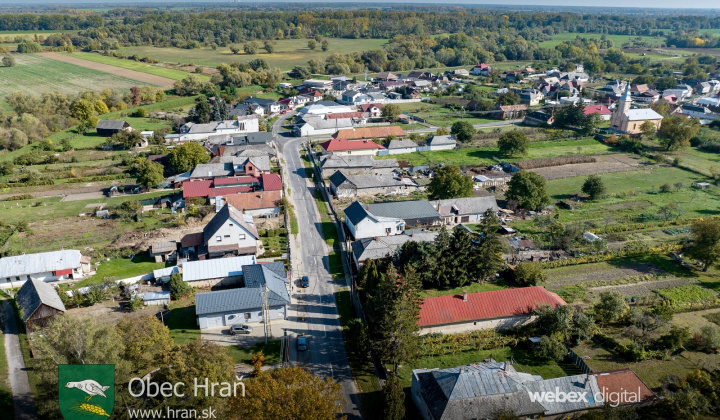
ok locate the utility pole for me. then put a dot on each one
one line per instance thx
(266, 313)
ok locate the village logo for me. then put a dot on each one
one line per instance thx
(86, 391)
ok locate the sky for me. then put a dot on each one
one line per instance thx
(598, 3)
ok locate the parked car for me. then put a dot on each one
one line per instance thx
(302, 343)
(305, 282)
(240, 329)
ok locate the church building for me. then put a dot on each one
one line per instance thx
(629, 121)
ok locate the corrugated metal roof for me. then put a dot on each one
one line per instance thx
(34, 293)
(216, 268)
(22, 265)
(442, 140)
(485, 305)
(165, 272)
(111, 124)
(465, 205)
(576, 383)
(417, 209)
(643, 114)
(147, 296)
(258, 275)
(374, 248)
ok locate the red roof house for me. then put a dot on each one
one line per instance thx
(271, 182)
(483, 310)
(344, 145)
(599, 109)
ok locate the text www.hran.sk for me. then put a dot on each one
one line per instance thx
(171, 413)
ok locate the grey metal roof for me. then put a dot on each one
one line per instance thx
(202, 128)
(466, 205)
(374, 248)
(401, 144)
(225, 213)
(318, 123)
(232, 300)
(148, 296)
(258, 276)
(111, 124)
(34, 293)
(207, 170)
(22, 265)
(262, 162)
(216, 268)
(260, 101)
(417, 209)
(165, 272)
(577, 383)
(385, 163)
(643, 114)
(356, 212)
(364, 181)
(278, 267)
(261, 137)
(348, 161)
(441, 140)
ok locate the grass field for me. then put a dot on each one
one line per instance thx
(181, 321)
(472, 156)
(618, 40)
(243, 355)
(123, 268)
(137, 66)
(34, 74)
(288, 53)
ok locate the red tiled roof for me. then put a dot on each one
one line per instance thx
(600, 109)
(196, 188)
(337, 145)
(215, 192)
(367, 107)
(622, 387)
(237, 180)
(485, 305)
(192, 239)
(369, 132)
(344, 115)
(482, 66)
(255, 200)
(271, 182)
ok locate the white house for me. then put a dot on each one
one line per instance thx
(464, 210)
(231, 232)
(320, 126)
(442, 143)
(193, 132)
(216, 272)
(363, 224)
(398, 147)
(44, 266)
(325, 107)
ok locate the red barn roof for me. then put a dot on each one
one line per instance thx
(368, 107)
(271, 182)
(485, 305)
(196, 188)
(600, 109)
(236, 180)
(339, 115)
(338, 145)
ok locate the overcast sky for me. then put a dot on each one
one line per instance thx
(599, 3)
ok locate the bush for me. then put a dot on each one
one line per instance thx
(140, 113)
(178, 288)
(550, 348)
(709, 338)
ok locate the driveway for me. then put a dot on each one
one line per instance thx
(222, 336)
(19, 383)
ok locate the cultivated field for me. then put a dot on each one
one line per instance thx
(603, 272)
(137, 66)
(288, 53)
(642, 289)
(603, 164)
(35, 74)
(145, 78)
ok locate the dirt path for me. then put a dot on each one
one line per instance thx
(19, 383)
(151, 79)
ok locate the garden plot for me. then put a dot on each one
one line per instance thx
(603, 164)
(599, 274)
(643, 289)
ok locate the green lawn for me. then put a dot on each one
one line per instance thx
(137, 66)
(243, 355)
(122, 268)
(35, 74)
(288, 53)
(182, 322)
(484, 155)
(439, 115)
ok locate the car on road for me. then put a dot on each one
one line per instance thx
(302, 343)
(240, 329)
(305, 281)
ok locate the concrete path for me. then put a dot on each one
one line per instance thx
(19, 383)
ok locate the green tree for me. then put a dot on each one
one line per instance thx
(648, 128)
(312, 44)
(179, 288)
(324, 45)
(450, 182)
(675, 132)
(149, 174)
(487, 255)
(8, 61)
(551, 348)
(145, 338)
(710, 337)
(528, 189)
(390, 112)
(269, 46)
(463, 131)
(513, 143)
(593, 187)
(393, 399)
(83, 110)
(705, 245)
(27, 46)
(611, 307)
(289, 393)
(299, 72)
(508, 98)
(529, 274)
(250, 48)
(187, 156)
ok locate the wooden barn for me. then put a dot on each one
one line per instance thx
(39, 302)
(106, 128)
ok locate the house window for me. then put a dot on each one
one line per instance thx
(227, 236)
(230, 224)
(17, 278)
(388, 230)
(247, 316)
(218, 238)
(241, 236)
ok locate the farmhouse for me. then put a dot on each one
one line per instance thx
(258, 203)
(356, 164)
(106, 128)
(481, 70)
(39, 302)
(447, 142)
(464, 210)
(230, 232)
(343, 185)
(398, 147)
(369, 133)
(220, 272)
(536, 118)
(164, 251)
(498, 309)
(346, 147)
(382, 246)
(629, 121)
(374, 110)
(480, 390)
(194, 132)
(601, 110)
(245, 305)
(317, 125)
(44, 266)
(509, 112)
(390, 218)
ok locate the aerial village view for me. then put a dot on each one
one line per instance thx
(381, 211)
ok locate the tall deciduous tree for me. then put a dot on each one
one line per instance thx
(289, 393)
(611, 307)
(463, 131)
(187, 156)
(705, 244)
(528, 189)
(145, 338)
(390, 112)
(593, 187)
(513, 143)
(450, 182)
(529, 274)
(675, 132)
(149, 174)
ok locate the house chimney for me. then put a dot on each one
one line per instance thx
(376, 238)
(465, 294)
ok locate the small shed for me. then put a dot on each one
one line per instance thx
(590, 237)
(107, 128)
(39, 302)
(164, 251)
(156, 298)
